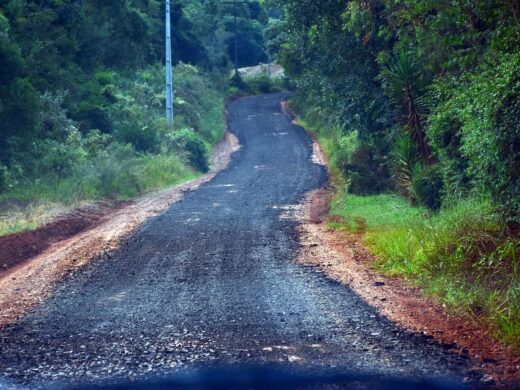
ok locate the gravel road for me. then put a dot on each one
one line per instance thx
(212, 281)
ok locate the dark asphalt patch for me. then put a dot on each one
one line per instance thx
(212, 281)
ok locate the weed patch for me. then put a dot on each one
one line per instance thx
(460, 255)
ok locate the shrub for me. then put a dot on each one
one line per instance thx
(238, 82)
(507, 186)
(460, 255)
(403, 159)
(477, 114)
(91, 115)
(366, 171)
(4, 178)
(358, 163)
(262, 83)
(197, 149)
(427, 185)
(117, 172)
(143, 137)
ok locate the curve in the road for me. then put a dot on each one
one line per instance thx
(212, 280)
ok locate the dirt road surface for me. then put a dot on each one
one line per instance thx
(212, 281)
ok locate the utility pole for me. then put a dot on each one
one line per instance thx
(235, 6)
(169, 76)
(236, 37)
(269, 67)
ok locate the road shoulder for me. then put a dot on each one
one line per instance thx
(29, 284)
(343, 257)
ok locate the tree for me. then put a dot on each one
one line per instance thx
(405, 84)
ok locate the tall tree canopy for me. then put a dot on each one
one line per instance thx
(442, 73)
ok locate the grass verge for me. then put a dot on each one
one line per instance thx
(34, 203)
(462, 255)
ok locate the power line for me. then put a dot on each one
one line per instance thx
(235, 4)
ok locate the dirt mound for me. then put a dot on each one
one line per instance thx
(17, 248)
(274, 70)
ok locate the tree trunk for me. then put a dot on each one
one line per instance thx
(417, 131)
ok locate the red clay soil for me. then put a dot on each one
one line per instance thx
(343, 257)
(71, 242)
(15, 249)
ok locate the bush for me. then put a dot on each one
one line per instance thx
(507, 186)
(366, 171)
(238, 82)
(4, 178)
(477, 117)
(113, 173)
(199, 105)
(143, 137)
(262, 84)
(91, 115)
(358, 163)
(460, 255)
(403, 160)
(197, 149)
(427, 186)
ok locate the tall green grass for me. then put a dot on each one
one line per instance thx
(31, 203)
(142, 153)
(461, 255)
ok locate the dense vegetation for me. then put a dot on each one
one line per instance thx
(82, 94)
(417, 104)
(422, 99)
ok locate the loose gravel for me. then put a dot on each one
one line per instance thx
(212, 281)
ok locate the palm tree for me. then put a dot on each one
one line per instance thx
(405, 84)
(403, 160)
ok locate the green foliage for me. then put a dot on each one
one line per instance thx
(199, 102)
(403, 162)
(82, 97)
(335, 73)
(237, 82)
(258, 84)
(476, 120)
(450, 69)
(275, 33)
(427, 185)
(252, 18)
(90, 167)
(460, 255)
(367, 170)
(356, 164)
(93, 49)
(405, 83)
(196, 148)
(262, 84)
(506, 190)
